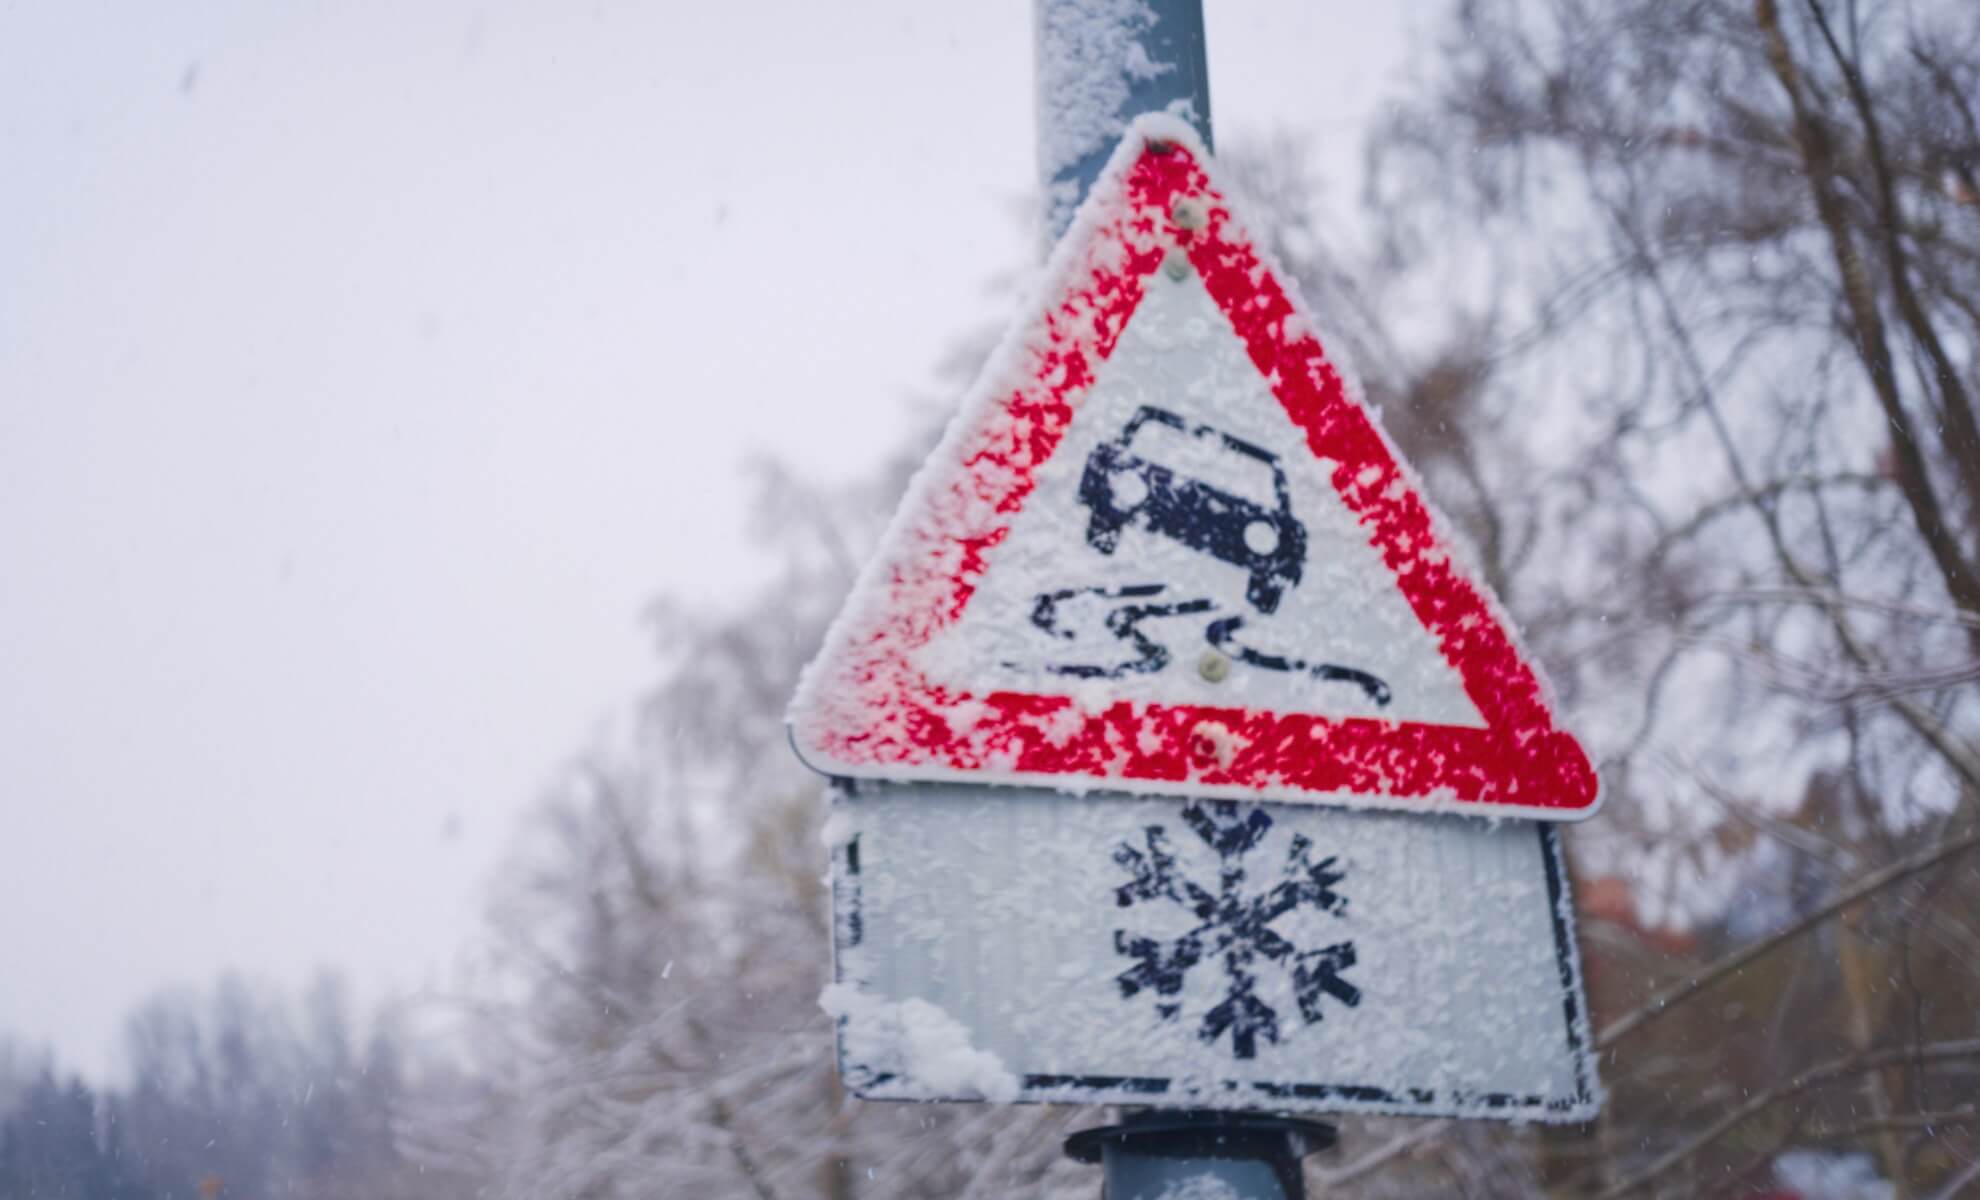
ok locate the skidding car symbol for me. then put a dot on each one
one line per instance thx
(1120, 488)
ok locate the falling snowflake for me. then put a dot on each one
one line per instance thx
(1234, 925)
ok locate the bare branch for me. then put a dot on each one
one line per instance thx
(1870, 885)
(1813, 1077)
(1868, 332)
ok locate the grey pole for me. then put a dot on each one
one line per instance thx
(1242, 1156)
(1101, 63)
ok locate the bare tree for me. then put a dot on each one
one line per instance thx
(1716, 360)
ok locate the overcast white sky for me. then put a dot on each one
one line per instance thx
(366, 367)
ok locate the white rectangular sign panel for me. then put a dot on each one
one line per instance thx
(1006, 944)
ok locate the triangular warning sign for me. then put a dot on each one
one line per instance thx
(1163, 549)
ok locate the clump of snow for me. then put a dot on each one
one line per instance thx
(837, 831)
(918, 1042)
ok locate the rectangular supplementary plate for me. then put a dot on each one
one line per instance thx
(1168, 952)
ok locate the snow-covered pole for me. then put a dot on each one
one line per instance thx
(1102, 63)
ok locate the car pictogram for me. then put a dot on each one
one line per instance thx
(1122, 487)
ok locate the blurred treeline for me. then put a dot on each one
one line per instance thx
(232, 1093)
(1676, 306)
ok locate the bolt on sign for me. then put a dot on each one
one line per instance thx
(1165, 572)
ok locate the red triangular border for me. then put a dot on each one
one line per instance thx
(864, 710)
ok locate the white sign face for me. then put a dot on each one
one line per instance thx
(1007, 945)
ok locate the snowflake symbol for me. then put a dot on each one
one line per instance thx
(1233, 925)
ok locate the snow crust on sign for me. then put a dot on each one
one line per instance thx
(1180, 356)
(1018, 915)
(916, 1040)
(864, 707)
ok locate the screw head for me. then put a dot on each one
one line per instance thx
(1176, 265)
(1188, 212)
(1213, 666)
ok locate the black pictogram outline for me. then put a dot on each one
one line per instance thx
(1205, 518)
(1234, 925)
